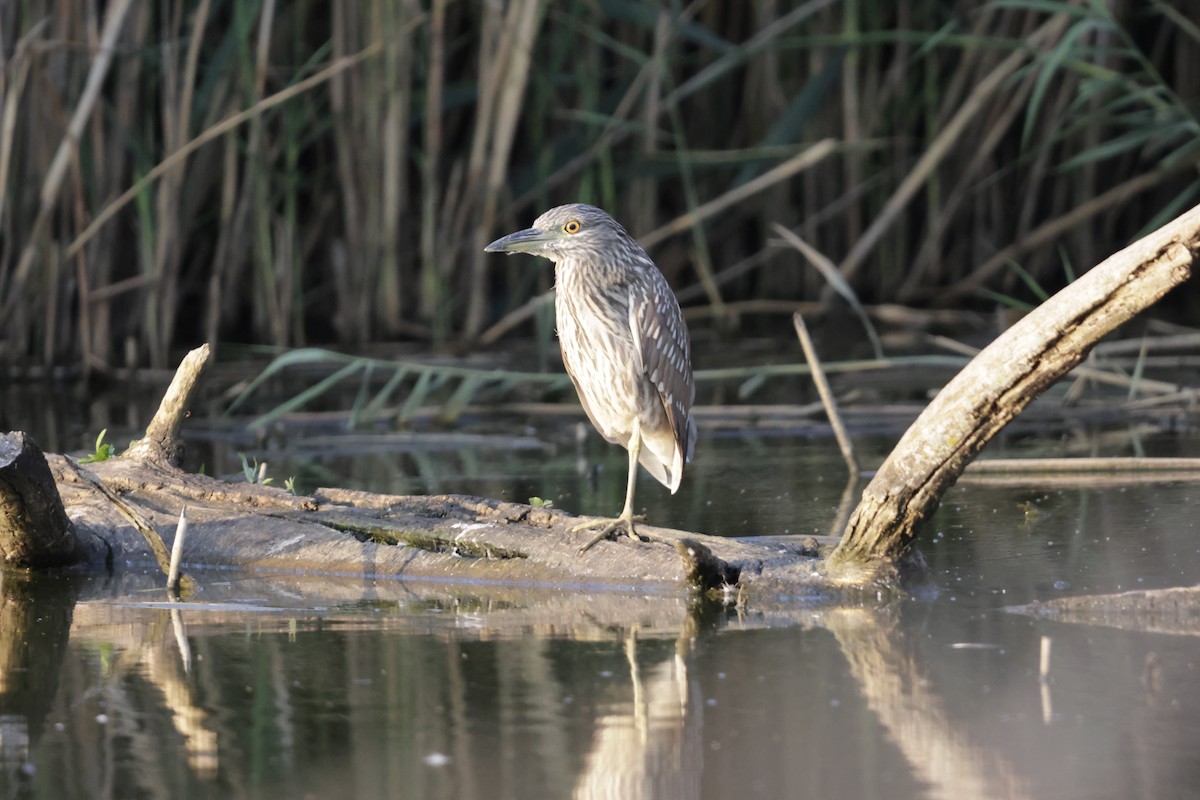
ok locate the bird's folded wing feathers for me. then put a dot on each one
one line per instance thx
(661, 339)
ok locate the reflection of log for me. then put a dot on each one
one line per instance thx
(893, 683)
(1004, 378)
(35, 622)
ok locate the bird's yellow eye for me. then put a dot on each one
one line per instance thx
(572, 227)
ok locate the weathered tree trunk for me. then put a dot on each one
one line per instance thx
(34, 528)
(1003, 379)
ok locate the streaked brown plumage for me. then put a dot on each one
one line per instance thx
(623, 339)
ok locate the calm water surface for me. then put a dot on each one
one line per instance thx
(293, 687)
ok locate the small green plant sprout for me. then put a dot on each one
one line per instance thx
(255, 472)
(290, 484)
(104, 451)
(539, 502)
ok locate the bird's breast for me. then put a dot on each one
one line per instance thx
(598, 350)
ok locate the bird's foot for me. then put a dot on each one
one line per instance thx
(609, 529)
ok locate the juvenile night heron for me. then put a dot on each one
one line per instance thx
(623, 341)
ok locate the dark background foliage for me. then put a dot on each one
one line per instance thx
(314, 172)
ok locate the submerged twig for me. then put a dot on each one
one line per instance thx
(1044, 680)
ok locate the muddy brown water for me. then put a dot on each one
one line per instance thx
(311, 686)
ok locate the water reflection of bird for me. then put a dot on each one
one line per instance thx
(624, 342)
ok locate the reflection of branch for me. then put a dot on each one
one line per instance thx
(913, 714)
(163, 672)
(649, 748)
(844, 506)
(143, 649)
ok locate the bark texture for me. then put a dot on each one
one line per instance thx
(34, 528)
(160, 442)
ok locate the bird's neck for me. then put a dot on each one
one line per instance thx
(597, 274)
(577, 276)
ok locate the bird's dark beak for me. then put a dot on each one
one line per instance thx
(530, 240)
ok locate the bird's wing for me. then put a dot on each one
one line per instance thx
(661, 340)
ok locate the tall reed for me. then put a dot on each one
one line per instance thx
(294, 173)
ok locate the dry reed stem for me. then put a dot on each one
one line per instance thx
(613, 134)
(66, 149)
(794, 165)
(1048, 231)
(521, 31)
(433, 260)
(931, 249)
(219, 129)
(740, 54)
(12, 82)
(827, 398)
(941, 146)
(829, 272)
(1082, 371)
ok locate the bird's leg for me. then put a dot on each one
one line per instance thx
(635, 450)
(626, 520)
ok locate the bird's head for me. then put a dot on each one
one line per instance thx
(571, 231)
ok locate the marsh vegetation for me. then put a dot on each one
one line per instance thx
(292, 174)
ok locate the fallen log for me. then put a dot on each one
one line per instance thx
(119, 512)
(346, 532)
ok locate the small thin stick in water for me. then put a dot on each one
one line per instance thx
(818, 374)
(177, 553)
(1044, 679)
